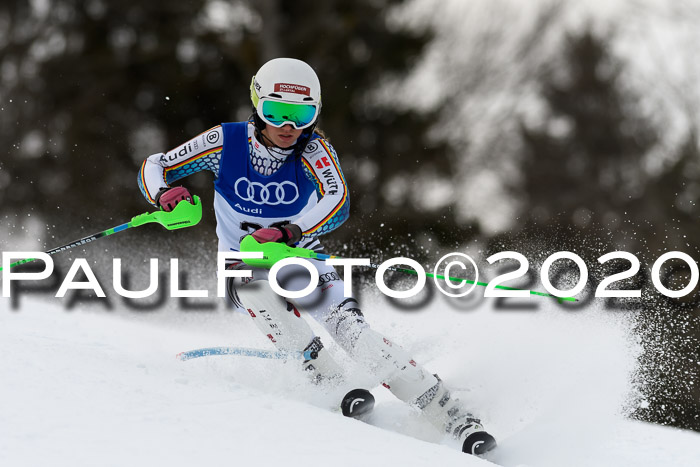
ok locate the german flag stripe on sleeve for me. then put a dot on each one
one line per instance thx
(143, 182)
(192, 159)
(311, 171)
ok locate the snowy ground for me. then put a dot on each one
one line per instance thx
(82, 388)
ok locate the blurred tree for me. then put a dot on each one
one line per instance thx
(90, 88)
(585, 159)
(96, 83)
(670, 328)
(586, 172)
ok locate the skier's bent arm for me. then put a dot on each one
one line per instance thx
(158, 171)
(150, 179)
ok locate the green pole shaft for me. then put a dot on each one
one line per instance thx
(184, 215)
(76, 243)
(273, 252)
(483, 284)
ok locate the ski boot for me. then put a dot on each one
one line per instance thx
(475, 440)
(322, 368)
(462, 425)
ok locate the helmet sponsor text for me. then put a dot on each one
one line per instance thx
(293, 88)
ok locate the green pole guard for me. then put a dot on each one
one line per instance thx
(272, 252)
(184, 215)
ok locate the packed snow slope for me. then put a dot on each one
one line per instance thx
(97, 388)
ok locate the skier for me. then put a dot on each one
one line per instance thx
(278, 179)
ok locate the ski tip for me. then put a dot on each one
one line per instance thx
(357, 403)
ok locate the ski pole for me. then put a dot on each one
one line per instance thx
(246, 352)
(184, 215)
(273, 252)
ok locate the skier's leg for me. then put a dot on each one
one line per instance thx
(400, 373)
(412, 383)
(342, 318)
(280, 321)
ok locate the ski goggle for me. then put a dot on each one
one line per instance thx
(278, 113)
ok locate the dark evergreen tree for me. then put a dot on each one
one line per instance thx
(586, 157)
(584, 177)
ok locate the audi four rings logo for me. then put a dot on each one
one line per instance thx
(272, 194)
(327, 277)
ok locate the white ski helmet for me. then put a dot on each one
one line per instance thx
(286, 91)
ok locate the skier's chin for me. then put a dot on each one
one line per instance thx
(285, 142)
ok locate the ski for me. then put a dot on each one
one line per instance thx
(246, 352)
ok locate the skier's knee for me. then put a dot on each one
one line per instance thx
(345, 323)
